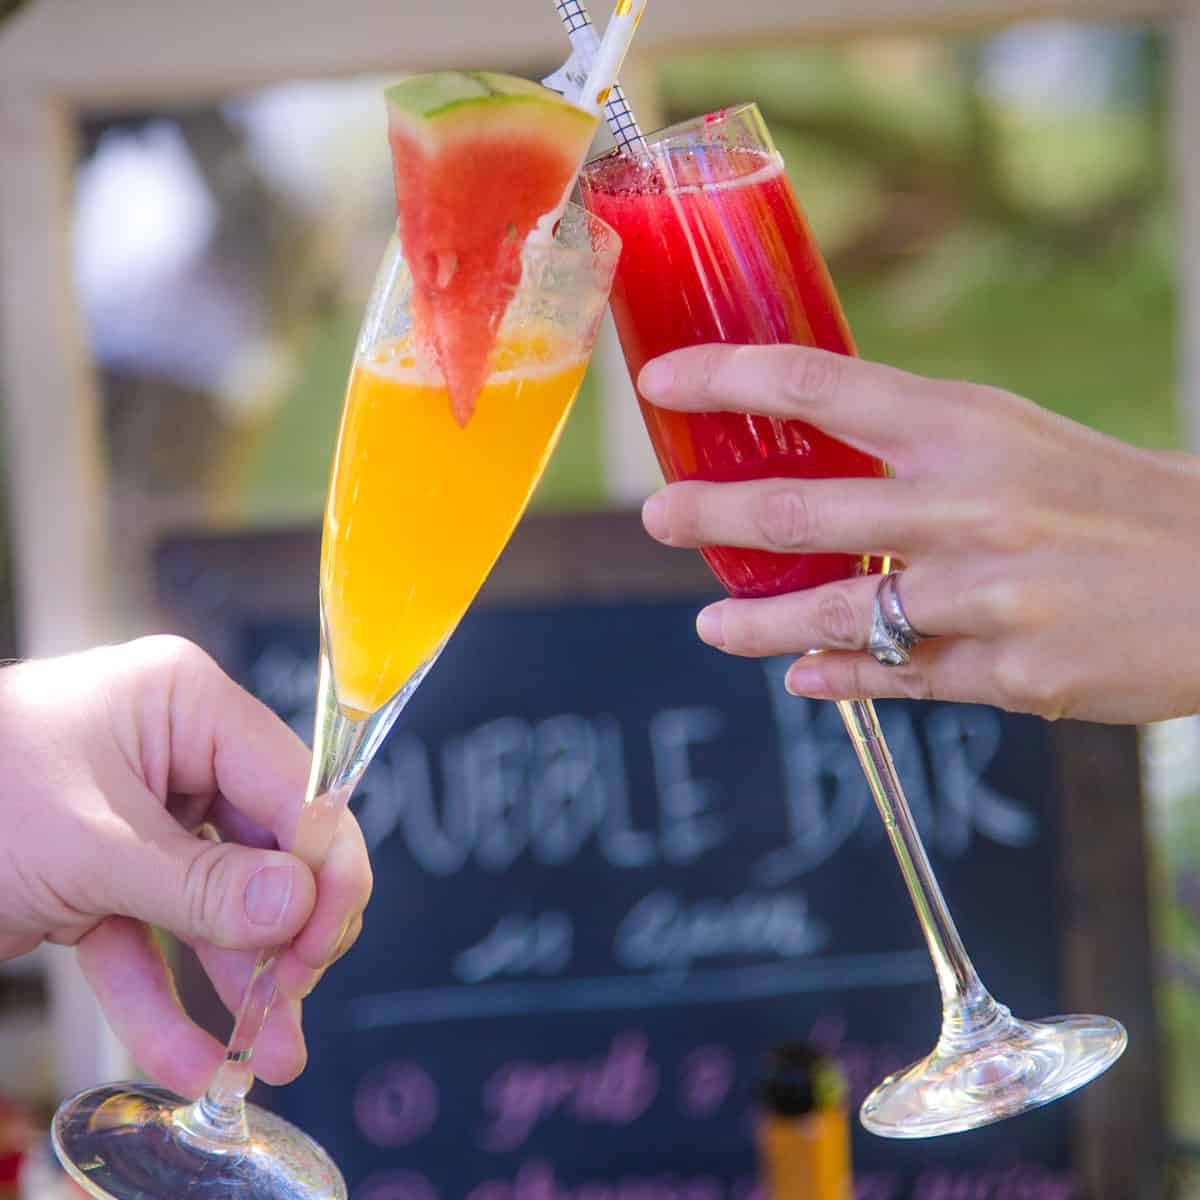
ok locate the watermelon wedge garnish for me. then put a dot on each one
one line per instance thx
(478, 159)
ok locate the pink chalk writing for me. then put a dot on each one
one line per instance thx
(706, 1075)
(536, 1181)
(863, 1065)
(1018, 1181)
(827, 1033)
(395, 1185)
(614, 1090)
(880, 1185)
(396, 1104)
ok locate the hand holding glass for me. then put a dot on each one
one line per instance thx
(716, 249)
(419, 509)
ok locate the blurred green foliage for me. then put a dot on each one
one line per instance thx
(974, 235)
(1025, 246)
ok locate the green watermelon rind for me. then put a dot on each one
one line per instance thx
(432, 101)
(534, 139)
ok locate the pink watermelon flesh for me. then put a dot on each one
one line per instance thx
(464, 212)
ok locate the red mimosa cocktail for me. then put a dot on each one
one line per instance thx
(716, 249)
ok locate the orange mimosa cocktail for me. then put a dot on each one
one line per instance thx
(472, 347)
(420, 507)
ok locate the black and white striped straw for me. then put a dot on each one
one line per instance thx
(575, 73)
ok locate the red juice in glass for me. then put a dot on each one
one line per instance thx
(716, 249)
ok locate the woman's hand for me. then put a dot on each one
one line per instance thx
(114, 761)
(1055, 570)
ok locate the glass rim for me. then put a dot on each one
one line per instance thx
(560, 249)
(667, 133)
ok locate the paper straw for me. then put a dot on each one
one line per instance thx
(572, 75)
(589, 77)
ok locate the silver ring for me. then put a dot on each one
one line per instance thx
(892, 633)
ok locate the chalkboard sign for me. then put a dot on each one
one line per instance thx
(614, 867)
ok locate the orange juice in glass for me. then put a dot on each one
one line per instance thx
(420, 507)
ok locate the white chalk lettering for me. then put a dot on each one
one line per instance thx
(689, 824)
(621, 844)
(964, 740)
(495, 763)
(518, 945)
(827, 804)
(824, 792)
(662, 932)
(566, 795)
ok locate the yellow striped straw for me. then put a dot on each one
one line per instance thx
(611, 54)
(571, 78)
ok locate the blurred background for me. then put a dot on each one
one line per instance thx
(993, 207)
(996, 203)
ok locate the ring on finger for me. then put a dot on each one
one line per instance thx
(892, 634)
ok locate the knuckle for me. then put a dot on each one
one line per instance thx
(1005, 422)
(995, 401)
(169, 649)
(710, 360)
(973, 408)
(1008, 604)
(1021, 684)
(813, 376)
(971, 398)
(782, 519)
(837, 623)
(206, 887)
(913, 684)
(1004, 525)
(995, 603)
(175, 661)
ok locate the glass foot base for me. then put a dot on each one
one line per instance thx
(124, 1141)
(1017, 1066)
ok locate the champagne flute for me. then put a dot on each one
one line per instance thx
(419, 509)
(716, 249)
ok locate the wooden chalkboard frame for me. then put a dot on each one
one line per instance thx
(207, 583)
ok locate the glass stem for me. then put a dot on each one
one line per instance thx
(968, 1011)
(343, 745)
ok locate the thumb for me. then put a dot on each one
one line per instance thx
(233, 896)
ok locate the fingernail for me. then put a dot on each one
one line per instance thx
(268, 893)
(654, 516)
(310, 987)
(340, 945)
(656, 379)
(344, 945)
(296, 1008)
(708, 625)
